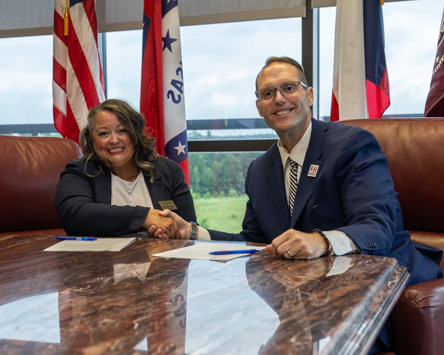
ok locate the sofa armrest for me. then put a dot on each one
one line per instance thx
(418, 319)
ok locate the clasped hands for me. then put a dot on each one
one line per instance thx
(166, 225)
(291, 244)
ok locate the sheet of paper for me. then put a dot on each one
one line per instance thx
(202, 251)
(101, 244)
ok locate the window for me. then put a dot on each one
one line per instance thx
(124, 65)
(26, 81)
(220, 63)
(217, 184)
(411, 35)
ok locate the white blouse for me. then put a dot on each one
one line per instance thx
(130, 193)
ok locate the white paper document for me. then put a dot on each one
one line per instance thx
(202, 251)
(101, 244)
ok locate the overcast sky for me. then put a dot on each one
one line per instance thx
(221, 61)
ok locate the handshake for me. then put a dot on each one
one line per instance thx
(166, 225)
(292, 244)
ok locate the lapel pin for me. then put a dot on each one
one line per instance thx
(313, 170)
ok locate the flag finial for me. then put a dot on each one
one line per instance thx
(65, 29)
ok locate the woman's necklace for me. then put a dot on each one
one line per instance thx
(132, 177)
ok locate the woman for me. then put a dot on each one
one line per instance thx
(120, 183)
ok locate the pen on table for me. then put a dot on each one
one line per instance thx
(75, 238)
(226, 252)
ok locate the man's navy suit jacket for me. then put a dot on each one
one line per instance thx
(352, 192)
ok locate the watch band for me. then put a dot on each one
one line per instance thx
(328, 252)
(193, 232)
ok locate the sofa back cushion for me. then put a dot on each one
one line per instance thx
(30, 169)
(415, 152)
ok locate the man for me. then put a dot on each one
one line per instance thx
(323, 188)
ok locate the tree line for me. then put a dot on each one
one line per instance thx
(219, 173)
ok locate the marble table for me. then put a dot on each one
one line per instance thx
(131, 302)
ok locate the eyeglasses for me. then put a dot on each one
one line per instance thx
(287, 89)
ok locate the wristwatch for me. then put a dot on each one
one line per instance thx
(328, 252)
(193, 232)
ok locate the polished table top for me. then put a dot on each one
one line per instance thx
(130, 302)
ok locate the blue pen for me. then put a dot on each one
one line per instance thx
(226, 252)
(75, 238)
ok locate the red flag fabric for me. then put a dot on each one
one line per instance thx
(151, 98)
(77, 71)
(435, 100)
(162, 91)
(360, 79)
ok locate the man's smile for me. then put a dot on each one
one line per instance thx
(283, 112)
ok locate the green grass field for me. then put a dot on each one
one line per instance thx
(221, 213)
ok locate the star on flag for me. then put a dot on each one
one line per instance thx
(167, 41)
(180, 148)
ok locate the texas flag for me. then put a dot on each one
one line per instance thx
(162, 93)
(360, 79)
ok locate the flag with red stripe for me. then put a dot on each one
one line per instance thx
(360, 79)
(162, 91)
(435, 99)
(78, 83)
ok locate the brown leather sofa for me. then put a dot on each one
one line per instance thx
(30, 169)
(415, 151)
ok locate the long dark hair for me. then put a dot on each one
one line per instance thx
(144, 145)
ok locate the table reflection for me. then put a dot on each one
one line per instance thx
(224, 315)
(293, 289)
(34, 318)
(126, 299)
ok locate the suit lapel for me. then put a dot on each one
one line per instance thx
(275, 177)
(102, 184)
(306, 183)
(156, 189)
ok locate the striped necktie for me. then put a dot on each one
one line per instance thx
(293, 184)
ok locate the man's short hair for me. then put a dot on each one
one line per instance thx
(287, 60)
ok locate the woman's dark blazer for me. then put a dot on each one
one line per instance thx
(83, 203)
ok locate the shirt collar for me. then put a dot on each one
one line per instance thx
(299, 150)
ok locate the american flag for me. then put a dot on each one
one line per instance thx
(77, 70)
(360, 79)
(162, 90)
